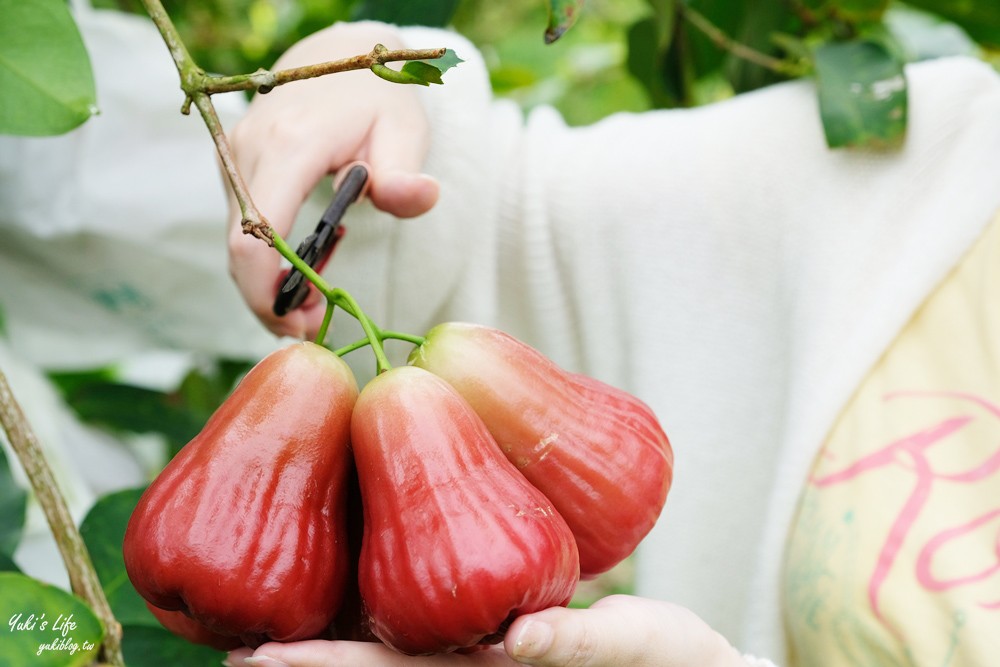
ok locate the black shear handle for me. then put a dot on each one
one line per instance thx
(316, 248)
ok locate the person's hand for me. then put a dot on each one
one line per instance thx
(616, 631)
(294, 136)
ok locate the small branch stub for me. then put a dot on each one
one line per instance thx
(258, 229)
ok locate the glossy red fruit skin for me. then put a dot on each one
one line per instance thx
(193, 631)
(243, 531)
(598, 453)
(456, 543)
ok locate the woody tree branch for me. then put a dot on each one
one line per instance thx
(82, 576)
(198, 87)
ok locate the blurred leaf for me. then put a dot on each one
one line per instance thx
(13, 503)
(39, 618)
(204, 390)
(103, 531)
(7, 564)
(664, 14)
(761, 30)
(124, 407)
(979, 18)
(593, 99)
(146, 646)
(728, 16)
(507, 78)
(562, 15)
(179, 415)
(646, 61)
(857, 11)
(45, 75)
(435, 13)
(862, 94)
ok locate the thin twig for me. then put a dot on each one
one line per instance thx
(265, 80)
(253, 221)
(727, 43)
(82, 576)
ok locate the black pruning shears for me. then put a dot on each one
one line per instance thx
(316, 248)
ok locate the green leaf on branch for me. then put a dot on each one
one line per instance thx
(146, 646)
(562, 15)
(103, 530)
(133, 409)
(862, 94)
(13, 503)
(45, 74)
(47, 627)
(7, 564)
(420, 72)
(444, 63)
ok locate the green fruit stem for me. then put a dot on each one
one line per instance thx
(336, 296)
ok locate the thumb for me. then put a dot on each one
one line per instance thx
(618, 630)
(396, 149)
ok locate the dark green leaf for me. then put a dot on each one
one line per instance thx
(8, 565)
(103, 531)
(45, 75)
(146, 646)
(47, 627)
(704, 56)
(13, 502)
(562, 15)
(761, 30)
(862, 94)
(435, 13)
(124, 407)
(664, 15)
(644, 56)
(73, 381)
(98, 399)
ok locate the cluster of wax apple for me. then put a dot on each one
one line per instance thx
(490, 481)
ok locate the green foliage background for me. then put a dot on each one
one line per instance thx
(621, 55)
